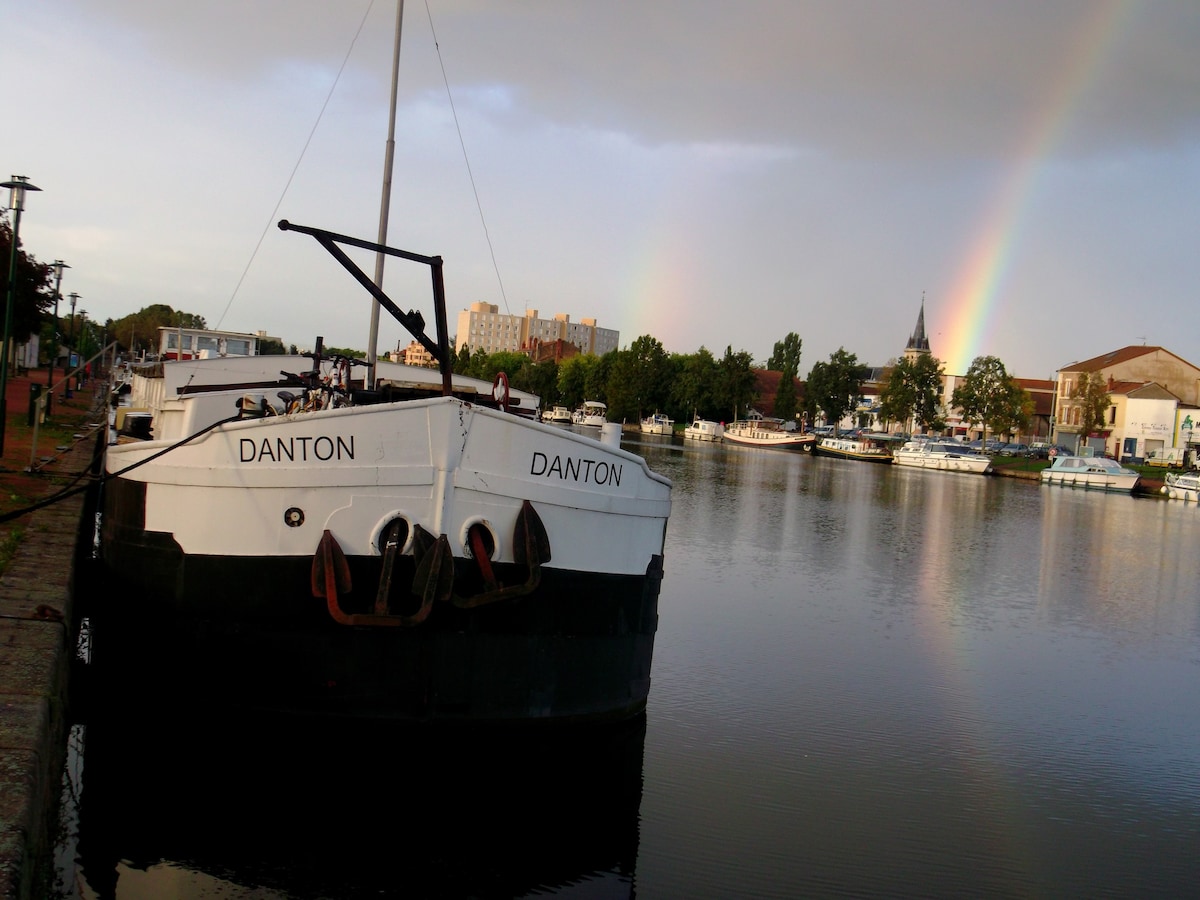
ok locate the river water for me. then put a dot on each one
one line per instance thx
(868, 681)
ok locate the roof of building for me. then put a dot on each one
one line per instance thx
(1115, 357)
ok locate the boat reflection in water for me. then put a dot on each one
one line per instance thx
(309, 808)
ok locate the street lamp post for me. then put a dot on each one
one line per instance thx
(58, 265)
(74, 298)
(16, 202)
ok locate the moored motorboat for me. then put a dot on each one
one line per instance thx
(1182, 486)
(863, 448)
(704, 430)
(1096, 473)
(948, 456)
(559, 415)
(658, 423)
(593, 414)
(760, 431)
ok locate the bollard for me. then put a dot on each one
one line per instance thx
(35, 393)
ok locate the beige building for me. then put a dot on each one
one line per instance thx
(414, 354)
(484, 327)
(1153, 395)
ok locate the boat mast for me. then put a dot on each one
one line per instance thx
(385, 201)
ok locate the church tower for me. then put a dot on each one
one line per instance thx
(918, 344)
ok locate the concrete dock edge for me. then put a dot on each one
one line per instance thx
(37, 644)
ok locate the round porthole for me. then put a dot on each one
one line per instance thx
(404, 536)
(294, 517)
(479, 531)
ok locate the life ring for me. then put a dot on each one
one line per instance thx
(500, 390)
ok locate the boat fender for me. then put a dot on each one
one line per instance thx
(500, 391)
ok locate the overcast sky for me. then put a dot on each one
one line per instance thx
(710, 173)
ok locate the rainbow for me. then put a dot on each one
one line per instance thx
(977, 286)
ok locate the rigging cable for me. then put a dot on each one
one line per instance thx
(471, 175)
(303, 150)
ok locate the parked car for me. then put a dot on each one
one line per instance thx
(1039, 450)
(1014, 450)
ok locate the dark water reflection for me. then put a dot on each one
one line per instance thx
(893, 683)
(867, 682)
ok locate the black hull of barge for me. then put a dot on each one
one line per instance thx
(248, 632)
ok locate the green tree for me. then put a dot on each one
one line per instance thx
(623, 390)
(33, 287)
(462, 360)
(786, 354)
(913, 393)
(271, 347)
(539, 378)
(573, 378)
(511, 364)
(735, 381)
(596, 383)
(834, 387)
(990, 397)
(693, 386)
(785, 396)
(1090, 394)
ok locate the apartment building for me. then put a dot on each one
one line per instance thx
(484, 327)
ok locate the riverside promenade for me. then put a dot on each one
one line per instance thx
(38, 553)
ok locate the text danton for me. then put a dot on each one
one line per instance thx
(567, 468)
(322, 448)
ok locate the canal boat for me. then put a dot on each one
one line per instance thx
(1182, 486)
(863, 448)
(373, 544)
(945, 456)
(658, 423)
(704, 430)
(757, 430)
(1094, 473)
(411, 551)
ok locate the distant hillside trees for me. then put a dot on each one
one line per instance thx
(138, 332)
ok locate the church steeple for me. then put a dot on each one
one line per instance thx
(918, 344)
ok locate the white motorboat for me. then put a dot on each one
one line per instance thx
(559, 415)
(593, 414)
(704, 430)
(658, 424)
(1182, 486)
(419, 547)
(946, 456)
(1096, 473)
